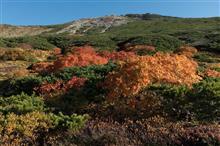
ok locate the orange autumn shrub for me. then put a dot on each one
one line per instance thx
(20, 73)
(212, 73)
(57, 51)
(137, 72)
(187, 51)
(42, 67)
(82, 56)
(121, 55)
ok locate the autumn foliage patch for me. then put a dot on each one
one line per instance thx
(187, 51)
(82, 56)
(137, 72)
(60, 86)
(212, 73)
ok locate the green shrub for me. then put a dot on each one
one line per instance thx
(216, 69)
(2, 43)
(60, 41)
(36, 42)
(162, 42)
(17, 54)
(19, 85)
(202, 102)
(205, 99)
(214, 43)
(174, 101)
(22, 103)
(72, 122)
(205, 57)
(93, 72)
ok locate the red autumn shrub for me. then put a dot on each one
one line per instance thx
(75, 82)
(42, 67)
(57, 51)
(212, 73)
(49, 88)
(82, 56)
(60, 86)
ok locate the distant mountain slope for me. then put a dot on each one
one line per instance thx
(100, 25)
(110, 31)
(131, 23)
(17, 31)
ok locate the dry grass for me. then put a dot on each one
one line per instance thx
(17, 31)
(13, 54)
(9, 69)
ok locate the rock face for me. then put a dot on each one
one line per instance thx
(84, 25)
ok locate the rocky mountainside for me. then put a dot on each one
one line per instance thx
(103, 23)
(100, 25)
(81, 26)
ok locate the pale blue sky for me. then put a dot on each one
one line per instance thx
(42, 12)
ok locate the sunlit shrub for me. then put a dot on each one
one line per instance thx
(212, 73)
(187, 51)
(16, 129)
(35, 42)
(72, 122)
(138, 72)
(82, 56)
(28, 128)
(22, 103)
(16, 54)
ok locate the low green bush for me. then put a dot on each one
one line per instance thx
(161, 43)
(214, 43)
(36, 42)
(17, 86)
(72, 122)
(20, 104)
(205, 57)
(205, 99)
(202, 102)
(94, 72)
